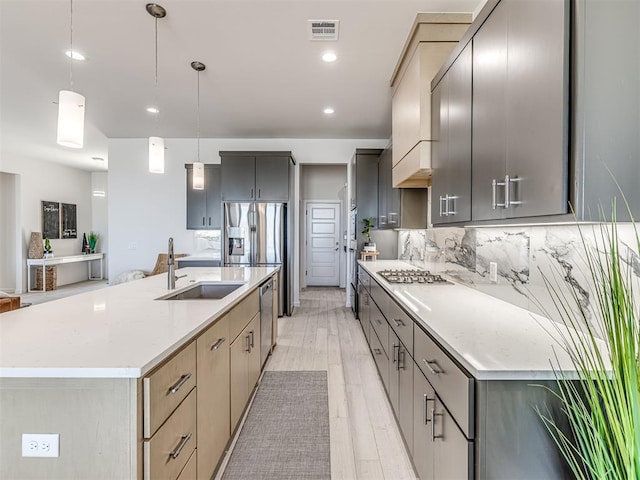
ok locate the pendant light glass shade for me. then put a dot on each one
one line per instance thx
(156, 155)
(198, 176)
(70, 119)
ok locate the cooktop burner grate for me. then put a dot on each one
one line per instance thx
(413, 276)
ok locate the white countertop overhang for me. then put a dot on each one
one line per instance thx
(121, 331)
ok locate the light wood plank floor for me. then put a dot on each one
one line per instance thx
(322, 334)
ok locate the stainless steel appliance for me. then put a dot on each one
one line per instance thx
(266, 319)
(255, 234)
(413, 276)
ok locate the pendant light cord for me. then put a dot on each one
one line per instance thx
(156, 78)
(71, 42)
(198, 127)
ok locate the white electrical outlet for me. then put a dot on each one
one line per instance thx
(40, 445)
(493, 271)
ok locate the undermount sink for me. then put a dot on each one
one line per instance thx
(205, 291)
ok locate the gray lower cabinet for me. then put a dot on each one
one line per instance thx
(451, 147)
(204, 207)
(520, 111)
(440, 449)
(255, 176)
(401, 386)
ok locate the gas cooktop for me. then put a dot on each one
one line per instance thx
(413, 276)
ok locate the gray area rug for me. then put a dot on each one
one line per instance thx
(286, 434)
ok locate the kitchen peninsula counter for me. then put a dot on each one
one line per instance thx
(121, 331)
(492, 339)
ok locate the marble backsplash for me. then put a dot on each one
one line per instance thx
(530, 260)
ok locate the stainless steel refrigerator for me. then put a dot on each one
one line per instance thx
(256, 234)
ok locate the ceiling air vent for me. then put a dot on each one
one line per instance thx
(323, 29)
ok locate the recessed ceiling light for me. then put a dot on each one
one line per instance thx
(329, 111)
(74, 54)
(153, 110)
(329, 57)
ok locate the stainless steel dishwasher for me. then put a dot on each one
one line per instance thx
(266, 319)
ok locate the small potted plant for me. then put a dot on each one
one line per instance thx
(48, 251)
(93, 241)
(369, 246)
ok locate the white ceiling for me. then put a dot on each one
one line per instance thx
(264, 77)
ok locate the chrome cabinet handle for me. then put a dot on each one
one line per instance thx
(507, 191)
(377, 351)
(209, 221)
(183, 441)
(426, 408)
(217, 345)
(247, 338)
(494, 186)
(398, 322)
(435, 371)
(180, 383)
(391, 216)
(251, 193)
(433, 424)
(451, 200)
(259, 192)
(251, 334)
(203, 221)
(383, 222)
(396, 355)
(442, 202)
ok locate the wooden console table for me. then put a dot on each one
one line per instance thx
(47, 262)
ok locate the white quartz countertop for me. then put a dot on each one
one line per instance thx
(118, 331)
(490, 338)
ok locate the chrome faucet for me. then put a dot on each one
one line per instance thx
(171, 273)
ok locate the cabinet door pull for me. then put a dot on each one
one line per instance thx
(377, 351)
(398, 322)
(396, 355)
(433, 424)
(494, 186)
(393, 215)
(203, 221)
(451, 205)
(183, 441)
(219, 343)
(248, 348)
(507, 189)
(426, 408)
(440, 204)
(180, 383)
(251, 336)
(259, 193)
(429, 363)
(383, 222)
(209, 221)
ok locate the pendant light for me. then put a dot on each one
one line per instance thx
(70, 106)
(156, 144)
(198, 167)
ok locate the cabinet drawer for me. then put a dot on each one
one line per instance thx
(380, 326)
(402, 325)
(241, 314)
(451, 384)
(168, 451)
(189, 471)
(381, 359)
(364, 278)
(165, 388)
(381, 297)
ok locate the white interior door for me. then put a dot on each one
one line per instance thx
(323, 244)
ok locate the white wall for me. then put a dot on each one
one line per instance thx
(39, 181)
(99, 212)
(323, 183)
(8, 237)
(145, 209)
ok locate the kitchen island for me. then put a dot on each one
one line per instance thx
(120, 375)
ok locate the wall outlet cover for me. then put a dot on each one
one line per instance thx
(40, 445)
(493, 271)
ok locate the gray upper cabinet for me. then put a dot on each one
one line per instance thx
(204, 207)
(366, 173)
(451, 146)
(388, 197)
(259, 176)
(606, 136)
(520, 110)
